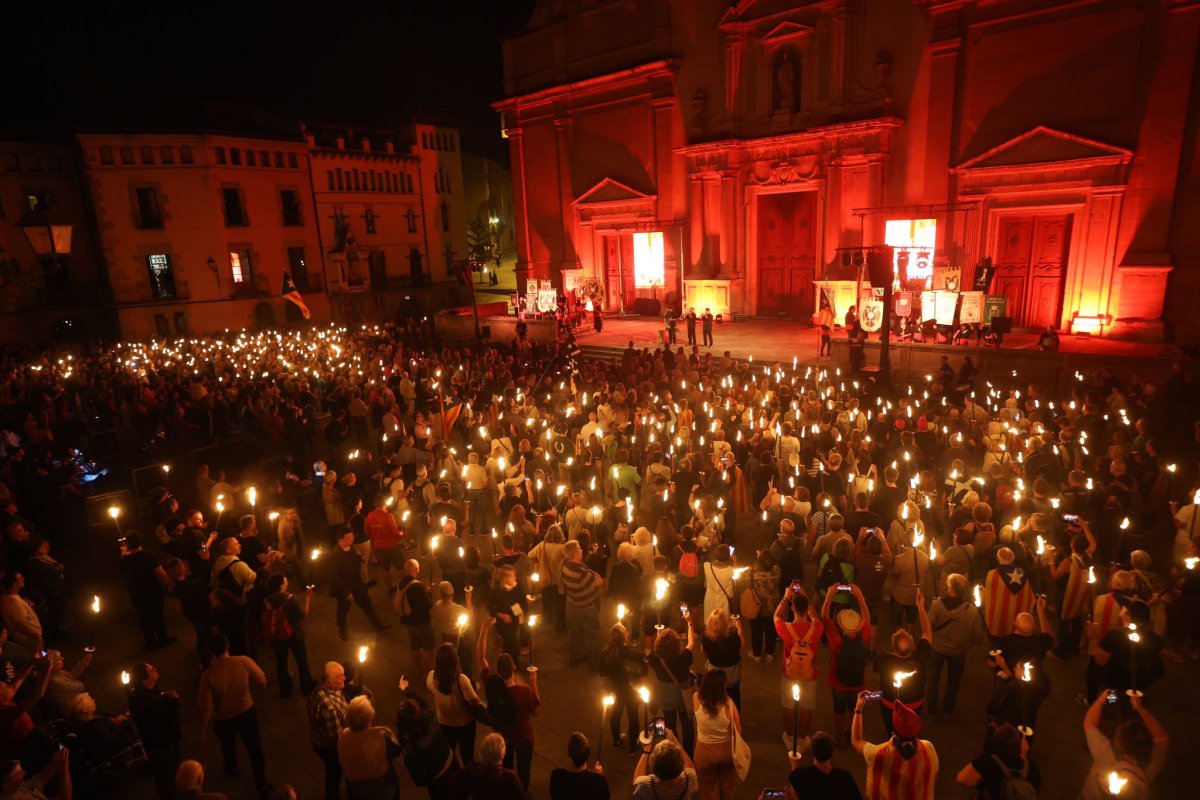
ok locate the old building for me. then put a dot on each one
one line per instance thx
(49, 273)
(197, 229)
(722, 154)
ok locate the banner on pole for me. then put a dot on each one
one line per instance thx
(870, 315)
(928, 305)
(949, 280)
(947, 305)
(972, 308)
(995, 305)
(903, 304)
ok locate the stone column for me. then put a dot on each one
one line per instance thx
(562, 144)
(516, 148)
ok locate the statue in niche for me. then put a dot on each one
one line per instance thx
(785, 84)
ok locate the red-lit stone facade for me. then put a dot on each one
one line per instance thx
(1057, 138)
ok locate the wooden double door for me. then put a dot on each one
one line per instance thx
(787, 254)
(1031, 267)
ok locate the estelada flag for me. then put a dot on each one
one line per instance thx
(290, 292)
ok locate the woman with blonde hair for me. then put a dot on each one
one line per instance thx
(520, 527)
(722, 644)
(289, 535)
(717, 723)
(642, 545)
(547, 557)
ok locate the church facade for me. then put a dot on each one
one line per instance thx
(728, 156)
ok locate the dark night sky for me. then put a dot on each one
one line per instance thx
(374, 63)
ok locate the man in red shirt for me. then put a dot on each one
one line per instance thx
(801, 640)
(386, 540)
(514, 714)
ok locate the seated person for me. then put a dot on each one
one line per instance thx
(963, 334)
(1048, 341)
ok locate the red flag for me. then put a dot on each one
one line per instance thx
(290, 292)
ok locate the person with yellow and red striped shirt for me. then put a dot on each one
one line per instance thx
(1106, 615)
(1006, 593)
(1077, 597)
(903, 768)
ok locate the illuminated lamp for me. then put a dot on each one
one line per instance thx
(1089, 323)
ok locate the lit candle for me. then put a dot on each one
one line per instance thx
(113, 513)
(252, 496)
(1116, 784)
(124, 678)
(978, 596)
(608, 702)
(621, 611)
(533, 620)
(644, 694)
(795, 719)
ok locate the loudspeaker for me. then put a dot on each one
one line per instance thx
(879, 266)
(1001, 324)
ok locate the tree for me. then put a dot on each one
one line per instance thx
(480, 245)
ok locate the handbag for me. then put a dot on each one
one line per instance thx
(741, 752)
(749, 604)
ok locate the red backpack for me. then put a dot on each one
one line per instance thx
(689, 565)
(276, 626)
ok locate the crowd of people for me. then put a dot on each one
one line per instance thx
(667, 515)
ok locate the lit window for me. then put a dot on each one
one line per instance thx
(914, 241)
(648, 259)
(235, 266)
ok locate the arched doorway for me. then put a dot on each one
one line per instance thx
(264, 316)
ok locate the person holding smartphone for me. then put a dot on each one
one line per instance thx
(821, 778)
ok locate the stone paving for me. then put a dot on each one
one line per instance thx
(571, 701)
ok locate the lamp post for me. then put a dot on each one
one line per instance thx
(50, 237)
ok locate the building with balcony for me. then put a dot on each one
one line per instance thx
(50, 277)
(390, 214)
(198, 229)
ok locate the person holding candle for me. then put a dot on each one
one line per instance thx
(1004, 769)
(346, 585)
(1007, 593)
(903, 672)
(717, 725)
(147, 583)
(512, 706)
(282, 626)
(455, 701)
(155, 713)
(1130, 656)
(801, 637)
(508, 605)
(619, 663)
(576, 781)
(582, 587)
(722, 643)
(956, 629)
(413, 604)
(822, 779)
(671, 661)
(1077, 597)
(1136, 752)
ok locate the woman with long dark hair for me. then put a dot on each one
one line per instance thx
(717, 721)
(453, 698)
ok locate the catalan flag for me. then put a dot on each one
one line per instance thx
(290, 292)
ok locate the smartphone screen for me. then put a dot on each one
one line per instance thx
(874, 695)
(1112, 697)
(660, 727)
(774, 794)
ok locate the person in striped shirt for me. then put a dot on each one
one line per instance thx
(1077, 598)
(582, 587)
(1006, 593)
(903, 768)
(1106, 615)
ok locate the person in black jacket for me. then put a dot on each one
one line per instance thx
(156, 715)
(193, 596)
(346, 584)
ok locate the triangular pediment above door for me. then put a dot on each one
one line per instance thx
(1043, 145)
(611, 191)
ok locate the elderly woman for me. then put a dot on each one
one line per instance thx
(508, 605)
(366, 752)
(643, 549)
(101, 736)
(289, 534)
(65, 685)
(488, 777)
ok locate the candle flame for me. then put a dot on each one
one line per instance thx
(95, 604)
(1116, 783)
(609, 700)
(362, 654)
(644, 694)
(978, 596)
(533, 620)
(621, 611)
(124, 678)
(114, 512)
(900, 677)
(1091, 574)
(660, 589)
(462, 622)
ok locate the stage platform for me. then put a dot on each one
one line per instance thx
(769, 341)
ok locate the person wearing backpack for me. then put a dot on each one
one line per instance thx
(1137, 751)
(850, 636)
(957, 627)
(1006, 773)
(413, 604)
(283, 630)
(801, 639)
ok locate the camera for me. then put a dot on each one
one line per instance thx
(660, 728)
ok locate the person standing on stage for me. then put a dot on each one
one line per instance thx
(707, 327)
(690, 319)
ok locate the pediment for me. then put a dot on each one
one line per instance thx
(786, 32)
(611, 191)
(1044, 145)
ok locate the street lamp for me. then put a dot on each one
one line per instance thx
(49, 234)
